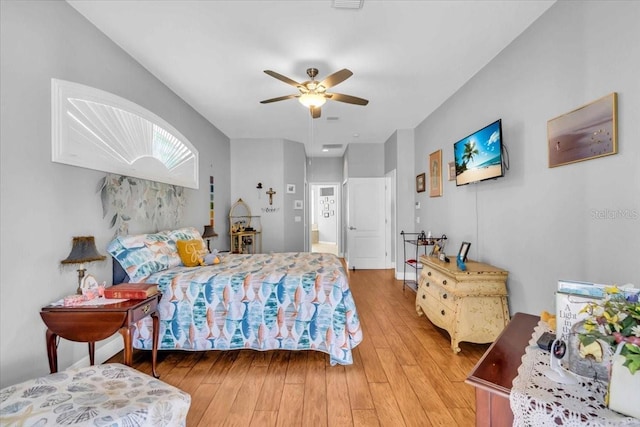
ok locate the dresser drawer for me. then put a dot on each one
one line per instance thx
(438, 292)
(435, 277)
(440, 315)
(143, 310)
(425, 296)
(447, 299)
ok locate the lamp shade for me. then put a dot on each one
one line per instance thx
(312, 99)
(209, 232)
(83, 250)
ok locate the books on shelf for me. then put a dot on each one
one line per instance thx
(131, 290)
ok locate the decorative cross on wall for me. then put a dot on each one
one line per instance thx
(271, 193)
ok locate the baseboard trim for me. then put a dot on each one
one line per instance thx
(103, 353)
(405, 276)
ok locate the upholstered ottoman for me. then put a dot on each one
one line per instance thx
(102, 395)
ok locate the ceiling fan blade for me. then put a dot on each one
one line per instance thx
(280, 77)
(280, 98)
(346, 98)
(315, 112)
(337, 77)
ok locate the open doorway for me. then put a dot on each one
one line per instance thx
(324, 218)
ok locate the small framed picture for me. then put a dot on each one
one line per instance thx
(464, 250)
(435, 174)
(436, 250)
(420, 181)
(291, 188)
(452, 171)
(297, 204)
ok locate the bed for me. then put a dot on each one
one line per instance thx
(291, 301)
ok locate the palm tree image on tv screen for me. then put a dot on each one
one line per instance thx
(479, 156)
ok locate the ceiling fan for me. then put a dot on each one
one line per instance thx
(313, 94)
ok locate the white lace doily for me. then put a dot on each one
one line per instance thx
(538, 401)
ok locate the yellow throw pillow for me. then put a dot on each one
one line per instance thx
(191, 252)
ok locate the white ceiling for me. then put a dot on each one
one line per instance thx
(407, 58)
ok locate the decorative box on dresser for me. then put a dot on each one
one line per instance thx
(471, 305)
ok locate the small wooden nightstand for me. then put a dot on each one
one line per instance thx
(91, 323)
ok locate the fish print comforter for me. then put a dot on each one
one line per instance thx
(292, 301)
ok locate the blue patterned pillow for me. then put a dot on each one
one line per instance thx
(143, 254)
(187, 233)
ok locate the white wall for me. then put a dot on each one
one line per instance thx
(364, 160)
(324, 169)
(44, 204)
(271, 162)
(400, 146)
(537, 222)
(294, 170)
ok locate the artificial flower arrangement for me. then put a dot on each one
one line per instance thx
(616, 320)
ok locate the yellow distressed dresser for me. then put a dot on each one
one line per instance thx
(471, 305)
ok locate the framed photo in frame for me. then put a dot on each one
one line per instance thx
(437, 249)
(452, 171)
(435, 174)
(585, 133)
(291, 188)
(420, 183)
(464, 250)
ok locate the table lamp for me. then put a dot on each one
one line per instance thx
(83, 250)
(208, 234)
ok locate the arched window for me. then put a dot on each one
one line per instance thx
(95, 129)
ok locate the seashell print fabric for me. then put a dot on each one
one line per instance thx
(111, 395)
(292, 301)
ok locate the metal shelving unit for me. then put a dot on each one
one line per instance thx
(416, 242)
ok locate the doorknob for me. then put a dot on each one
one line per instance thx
(352, 228)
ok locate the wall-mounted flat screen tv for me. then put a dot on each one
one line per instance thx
(479, 156)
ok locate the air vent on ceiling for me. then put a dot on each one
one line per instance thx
(327, 147)
(333, 118)
(348, 4)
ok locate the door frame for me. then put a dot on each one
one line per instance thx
(390, 208)
(338, 211)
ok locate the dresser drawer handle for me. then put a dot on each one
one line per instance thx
(424, 296)
(442, 312)
(444, 282)
(428, 273)
(444, 296)
(427, 284)
(146, 308)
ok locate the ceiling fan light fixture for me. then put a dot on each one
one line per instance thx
(312, 100)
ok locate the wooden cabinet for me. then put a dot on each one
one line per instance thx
(471, 305)
(245, 230)
(494, 373)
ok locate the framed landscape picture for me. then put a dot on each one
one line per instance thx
(435, 174)
(585, 133)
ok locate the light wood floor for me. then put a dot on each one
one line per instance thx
(404, 373)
